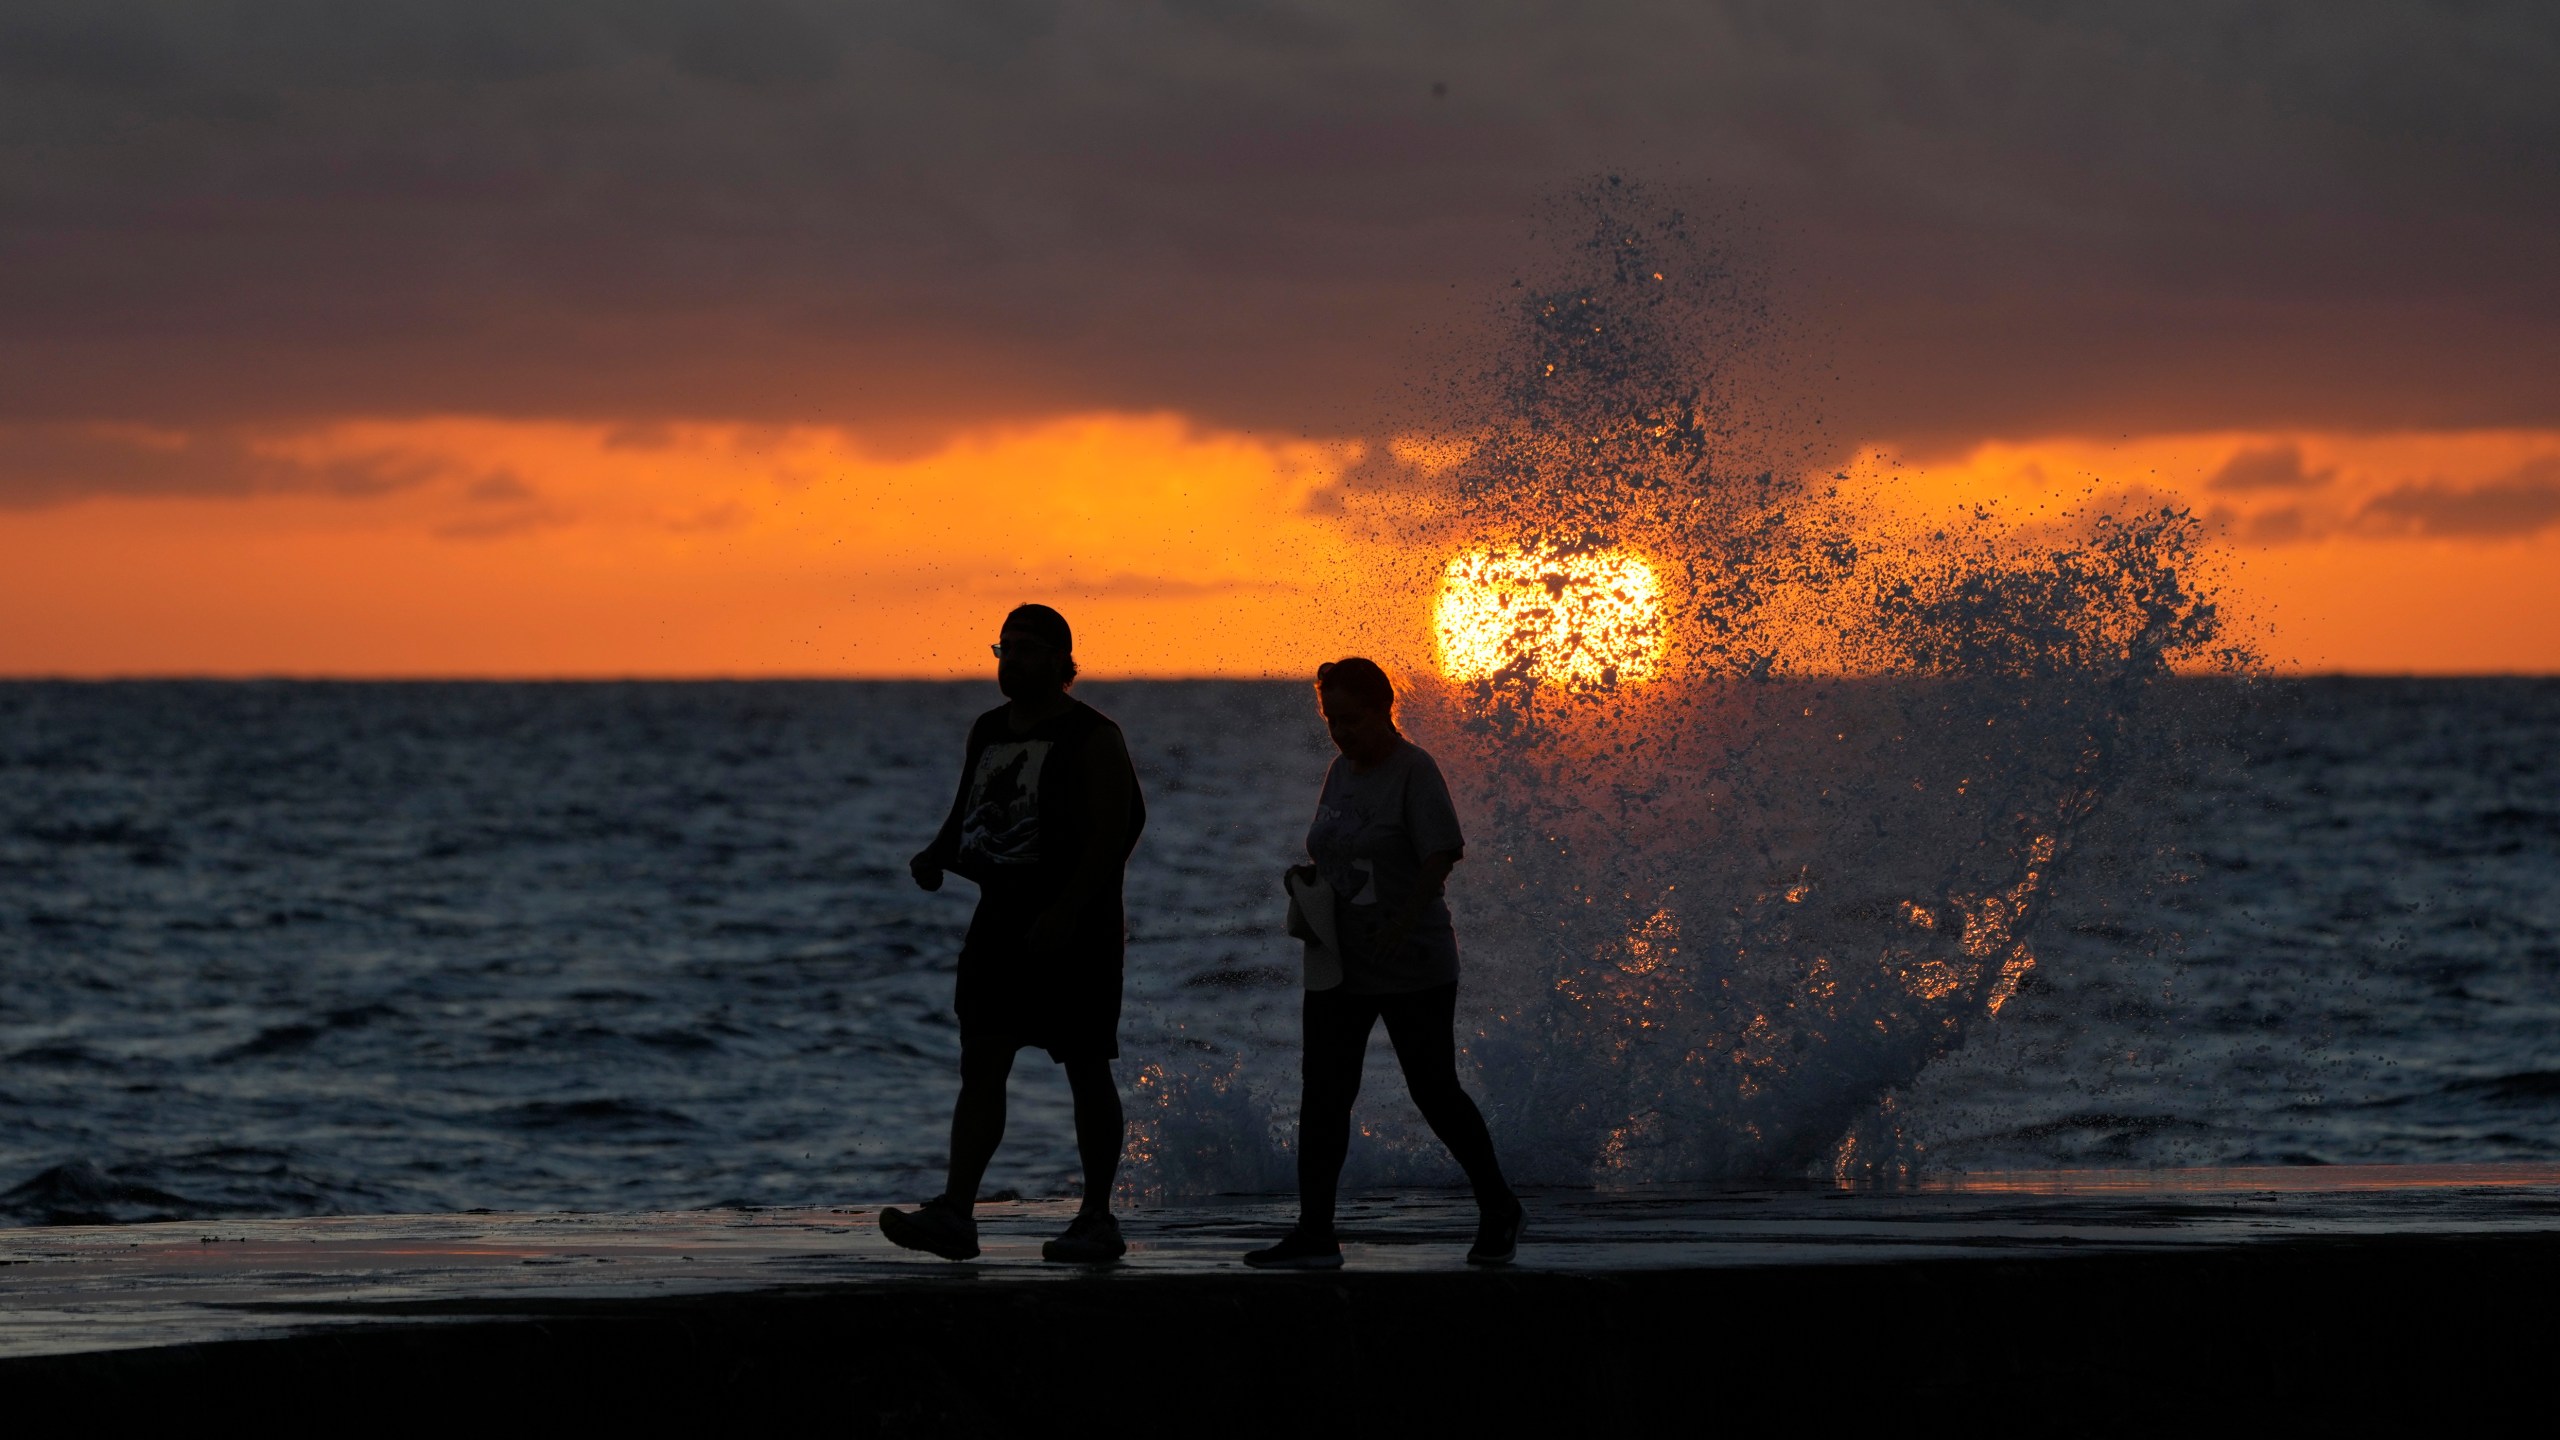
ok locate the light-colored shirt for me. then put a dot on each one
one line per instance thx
(1371, 834)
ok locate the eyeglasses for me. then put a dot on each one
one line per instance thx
(1022, 647)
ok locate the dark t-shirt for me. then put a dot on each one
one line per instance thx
(1019, 828)
(1370, 837)
(1022, 826)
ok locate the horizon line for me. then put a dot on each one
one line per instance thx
(290, 677)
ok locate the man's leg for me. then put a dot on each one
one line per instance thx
(1422, 1027)
(1336, 1042)
(977, 1120)
(1101, 1131)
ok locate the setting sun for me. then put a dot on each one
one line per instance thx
(1580, 620)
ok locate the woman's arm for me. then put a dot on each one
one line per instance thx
(1431, 827)
(1435, 879)
(1435, 876)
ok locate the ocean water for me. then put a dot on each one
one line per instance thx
(289, 948)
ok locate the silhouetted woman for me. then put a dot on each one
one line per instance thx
(1384, 840)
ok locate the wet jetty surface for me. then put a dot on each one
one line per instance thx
(2129, 1298)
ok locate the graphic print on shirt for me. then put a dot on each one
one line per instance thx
(1002, 826)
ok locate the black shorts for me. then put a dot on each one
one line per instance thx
(1068, 1005)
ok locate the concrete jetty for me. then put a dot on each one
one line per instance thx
(2130, 1298)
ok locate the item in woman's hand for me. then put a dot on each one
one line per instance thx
(1311, 919)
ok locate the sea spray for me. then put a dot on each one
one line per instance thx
(1769, 784)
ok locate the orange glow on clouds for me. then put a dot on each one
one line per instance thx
(481, 547)
(540, 549)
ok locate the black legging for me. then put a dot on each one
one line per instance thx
(1422, 1025)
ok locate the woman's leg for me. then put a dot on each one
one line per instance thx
(1423, 1025)
(1336, 1033)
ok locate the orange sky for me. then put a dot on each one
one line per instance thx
(537, 549)
(579, 550)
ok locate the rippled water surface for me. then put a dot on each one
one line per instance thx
(292, 948)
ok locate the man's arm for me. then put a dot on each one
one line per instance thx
(929, 863)
(1109, 781)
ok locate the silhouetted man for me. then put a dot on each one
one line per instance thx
(1047, 814)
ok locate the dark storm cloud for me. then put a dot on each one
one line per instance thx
(1997, 218)
(2517, 505)
(2274, 467)
(502, 504)
(44, 463)
(2526, 502)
